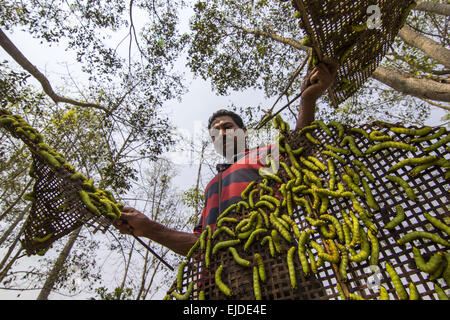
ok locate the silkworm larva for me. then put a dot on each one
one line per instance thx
(311, 176)
(240, 261)
(307, 128)
(263, 172)
(324, 201)
(256, 285)
(350, 141)
(247, 190)
(292, 157)
(292, 224)
(409, 191)
(303, 202)
(441, 293)
(180, 275)
(355, 177)
(347, 234)
(390, 144)
(423, 234)
(439, 271)
(368, 223)
(279, 227)
(337, 149)
(438, 223)
(328, 233)
(334, 155)
(317, 163)
(289, 203)
(87, 202)
(431, 265)
(260, 263)
(42, 239)
(290, 263)
(288, 170)
(399, 218)
(436, 135)
(271, 245)
(185, 295)
(360, 131)
(369, 196)
(401, 292)
(227, 211)
(298, 151)
(312, 139)
(312, 262)
(341, 292)
(225, 229)
(364, 170)
(333, 257)
(336, 225)
(252, 237)
(343, 262)
(251, 197)
(226, 220)
(193, 248)
(384, 295)
(302, 253)
(267, 189)
(201, 295)
(298, 176)
(339, 127)
(349, 181)
(225, 244)
(265, 203)
(379, 136)
(319, 250)
(276, 240)
(208, 253)
(315, 222)
(309, 164)
(323, 126)
(412, 132)
(412, 162)
(365, 248)
(354, 296)
(375, 248)
(222, 286)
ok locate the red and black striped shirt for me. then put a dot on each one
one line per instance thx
(232, 181)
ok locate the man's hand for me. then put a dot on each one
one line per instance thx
(319, 79)
(133, 222)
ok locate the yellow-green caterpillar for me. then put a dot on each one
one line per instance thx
(365, 249)
(336, 156)
(256, 284)
(379, 136)
(409, 191)
(344, 262)
(323, 126)
(413, 293)
(349, 181)
(290, 263)
(390, 144)
(350, 141)
(412, 162)
(252, 237)
(431, 265)
(333, 257)
(440, 132)
(401, 292)
(337, 149)
(364, 170)
(186, 295)
(384, 295)
(339, 127)
(438, 223)
(271, 245)
(412, 132)
(441, 293)
(180, 275)
(369, 196)
(423, 234)
(399, 218)
(260, 263)
(375, 248)
(317, 163)
(222, 286)
(193, 248)
(238, 259)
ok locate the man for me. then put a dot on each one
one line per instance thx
(232, 177)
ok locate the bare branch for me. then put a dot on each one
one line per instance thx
(433, 7)
(15, 53)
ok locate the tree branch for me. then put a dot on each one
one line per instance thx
(421, 88)
(433, 7)
(427, 45)
(15, 53)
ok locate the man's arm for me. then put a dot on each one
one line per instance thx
(314, 85)
(136, 223)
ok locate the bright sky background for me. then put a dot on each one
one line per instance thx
(193, 111)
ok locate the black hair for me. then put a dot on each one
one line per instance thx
(223, 112)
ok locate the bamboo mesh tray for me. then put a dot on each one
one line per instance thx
(330, 26)
(57, 208)
(431, 187)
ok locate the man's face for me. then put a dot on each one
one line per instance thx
(227, 137)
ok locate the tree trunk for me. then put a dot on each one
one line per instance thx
(54, 272)
(427, 45)
(434, 7)
(421, 88)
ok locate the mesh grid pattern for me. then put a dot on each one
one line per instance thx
(329, 25)
(432, 197)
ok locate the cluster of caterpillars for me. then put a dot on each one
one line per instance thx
(264, 218)
(97, 201)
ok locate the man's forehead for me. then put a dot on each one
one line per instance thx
(222, 119)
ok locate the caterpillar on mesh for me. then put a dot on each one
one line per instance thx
(401, 292)
(408, 190)
(222, 286)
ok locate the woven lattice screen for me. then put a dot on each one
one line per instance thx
(323, 201)
(62, 199)
(350, 33)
